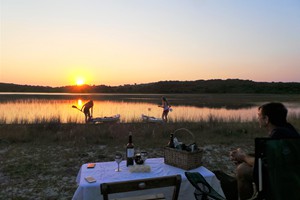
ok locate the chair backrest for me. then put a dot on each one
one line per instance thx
(142, 184)
(203, 188)
(277, 169)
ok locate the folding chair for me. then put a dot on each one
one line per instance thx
(277, 170)
(203, 191)
(142, 184)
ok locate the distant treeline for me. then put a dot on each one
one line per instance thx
(191, 87)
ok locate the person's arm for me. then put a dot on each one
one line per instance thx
(249, 160)
(83, 106)
(239, 156)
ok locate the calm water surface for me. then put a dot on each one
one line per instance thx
(33, 107)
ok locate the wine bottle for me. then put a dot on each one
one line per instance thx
(171, 142)
(129, 151)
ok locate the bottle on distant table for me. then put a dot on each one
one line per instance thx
(130, 151)
(171, 142)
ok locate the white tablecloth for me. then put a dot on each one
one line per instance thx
(105, 172)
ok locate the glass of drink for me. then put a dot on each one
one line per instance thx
(118, 159)
(144, 155)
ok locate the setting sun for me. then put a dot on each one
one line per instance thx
(79, 76)
(79, 81)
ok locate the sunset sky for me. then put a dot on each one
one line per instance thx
(116, 42)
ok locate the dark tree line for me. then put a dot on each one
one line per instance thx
(192, 87)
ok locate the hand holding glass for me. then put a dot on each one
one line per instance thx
(118, 159)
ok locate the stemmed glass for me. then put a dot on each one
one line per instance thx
(144, 155)
(118, 159)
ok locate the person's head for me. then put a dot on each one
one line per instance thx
(274, 113)
(164, 98)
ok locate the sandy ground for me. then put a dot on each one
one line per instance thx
(40, 171)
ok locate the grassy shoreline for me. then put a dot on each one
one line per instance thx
(41, 161)
(204, 132)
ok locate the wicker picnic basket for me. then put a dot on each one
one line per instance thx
(181, 158)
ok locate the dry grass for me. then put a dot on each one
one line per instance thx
(211, 132)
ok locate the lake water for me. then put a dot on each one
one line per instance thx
(35, 107)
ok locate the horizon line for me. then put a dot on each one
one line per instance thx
(153, 82)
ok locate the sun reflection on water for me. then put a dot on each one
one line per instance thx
(79, 103)
(32, 110)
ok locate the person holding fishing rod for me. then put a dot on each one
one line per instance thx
(88, 110)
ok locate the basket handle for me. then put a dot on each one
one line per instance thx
(184, 129)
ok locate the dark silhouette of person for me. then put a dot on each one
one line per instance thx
(87, 109)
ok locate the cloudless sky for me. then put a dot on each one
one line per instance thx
(116, 42)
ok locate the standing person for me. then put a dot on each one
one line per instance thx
(88, 110)
(166, 108)
(272, 117)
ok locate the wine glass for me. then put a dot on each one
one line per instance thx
(118, 159)
(144, 155)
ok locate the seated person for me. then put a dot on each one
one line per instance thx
(271, 116)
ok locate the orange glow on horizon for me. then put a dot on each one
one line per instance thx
(79, 81)
(80, 77)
